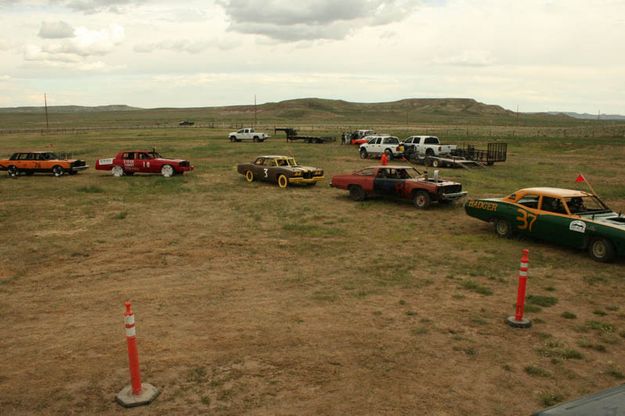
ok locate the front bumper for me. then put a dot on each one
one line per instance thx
(298, 179)
(453, 196)
(77, 168)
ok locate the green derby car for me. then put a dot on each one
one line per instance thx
(564, 216)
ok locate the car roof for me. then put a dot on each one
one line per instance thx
(275, 156)
(36, 151)
(560, 192)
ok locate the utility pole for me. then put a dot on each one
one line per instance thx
(254, 110)
(599, 115)
(45, 101)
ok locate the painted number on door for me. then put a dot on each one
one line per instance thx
(526, 220)
(266, 170)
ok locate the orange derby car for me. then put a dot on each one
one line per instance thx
(30, 162)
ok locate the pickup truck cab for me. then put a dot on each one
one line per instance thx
(376, 145)
(426, 146)
(247, 134)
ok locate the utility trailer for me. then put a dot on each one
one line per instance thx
(291, 136)
(466, 156)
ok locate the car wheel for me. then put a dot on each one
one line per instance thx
(364, 154)
(421, 200)
(601, 250)
(13, 172)
(249, 176)
(167, 171)
(233, 139)
(356, 193)
(255, 139)
(429, 152)
(503, 228)
(117, 171)
(283, 181)
(58, 171)
(436, 163)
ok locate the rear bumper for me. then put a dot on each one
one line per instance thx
(77, 168)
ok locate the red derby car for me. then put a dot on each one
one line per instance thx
(143, 161)
(403, 182)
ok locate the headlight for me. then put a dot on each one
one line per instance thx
(319, 172)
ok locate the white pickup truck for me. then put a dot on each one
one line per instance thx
(378, 144)
(426, 146)
(247, 134)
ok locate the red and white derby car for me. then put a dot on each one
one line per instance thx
(143, 161)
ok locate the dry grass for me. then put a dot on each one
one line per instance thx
(255, 300)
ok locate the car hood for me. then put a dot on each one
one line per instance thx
(610, 219)
(160, 159)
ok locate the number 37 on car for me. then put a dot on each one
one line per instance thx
(568, 217)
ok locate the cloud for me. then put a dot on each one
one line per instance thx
(287, 20)
(73, 52)
(97, 6)
(187, 45)
(55, 30)
(474, 58)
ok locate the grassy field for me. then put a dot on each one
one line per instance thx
(254, 300)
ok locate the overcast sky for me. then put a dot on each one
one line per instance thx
(538, 55)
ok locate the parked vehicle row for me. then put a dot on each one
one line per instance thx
(572, 218)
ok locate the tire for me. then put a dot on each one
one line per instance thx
(364, 154)
(233, 139)
(503, 228)
(436, 163)
(255, 139)
(283, 181)
(389, 154)
(167, 171)
(117, 171)
(356, 193)
(421, 200)
(58, 171)
(249, 176)
(12, 171)
(601, 250)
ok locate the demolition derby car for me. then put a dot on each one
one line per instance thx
(404, 182)
(30, 162)
(282, 170)
(143, 161)
(568, 217)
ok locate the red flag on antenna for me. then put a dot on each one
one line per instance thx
(580, 178)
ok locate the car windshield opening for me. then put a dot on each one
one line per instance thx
(291, 161)
(586, 205)
(154, 155)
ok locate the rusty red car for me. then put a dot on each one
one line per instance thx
(143, 161)
(404, 182)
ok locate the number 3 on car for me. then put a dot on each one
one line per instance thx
(526, 220)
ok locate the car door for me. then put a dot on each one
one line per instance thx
(142, 162)
(387, 181)
(128, 161)
(526, 213)
(555, 224)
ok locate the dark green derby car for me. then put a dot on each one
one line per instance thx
(564, 216)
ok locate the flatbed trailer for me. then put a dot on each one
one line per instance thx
(465, 157)
(292, 135)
